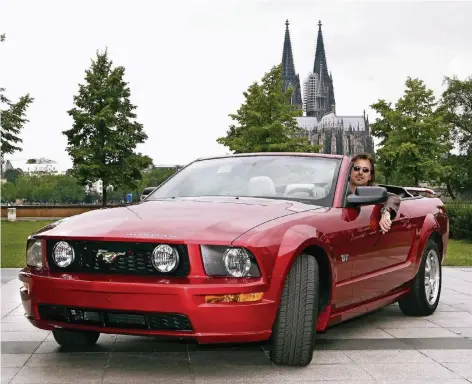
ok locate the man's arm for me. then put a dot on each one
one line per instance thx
(392, 205)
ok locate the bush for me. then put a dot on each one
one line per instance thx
(460, 219)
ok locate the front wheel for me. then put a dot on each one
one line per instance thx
(293, 333)
(73, 339)
(426, 287)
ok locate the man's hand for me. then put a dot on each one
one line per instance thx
(385, 222)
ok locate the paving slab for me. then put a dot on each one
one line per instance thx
(383, 347)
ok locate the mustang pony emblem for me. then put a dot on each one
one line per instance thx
(107, 256)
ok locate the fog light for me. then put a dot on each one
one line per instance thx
(235, 298)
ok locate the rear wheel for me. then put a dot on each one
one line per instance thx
(293, 333)
(426, 287)
(69, 338)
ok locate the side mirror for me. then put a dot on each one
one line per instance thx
(367, 196)
(146, 192)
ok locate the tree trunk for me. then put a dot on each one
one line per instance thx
(449, 190)
(104, 195)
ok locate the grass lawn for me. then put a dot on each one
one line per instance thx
(459, 253)
(14, 235)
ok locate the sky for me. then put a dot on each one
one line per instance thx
(188, 62)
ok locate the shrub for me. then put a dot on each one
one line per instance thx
(460, 219)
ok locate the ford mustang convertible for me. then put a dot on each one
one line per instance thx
(240, 248)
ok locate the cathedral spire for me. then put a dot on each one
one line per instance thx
(289, 76)
(320, 90)
(288, 65)
(320, 55)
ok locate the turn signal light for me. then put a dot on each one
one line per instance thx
(237, 298)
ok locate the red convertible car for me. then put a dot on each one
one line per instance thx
(241, 248)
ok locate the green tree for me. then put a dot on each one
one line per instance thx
(12, 119)
(457, 105)
(104, 135)
(267, 120)
(414, 137)
(12, 174)
(8, 191)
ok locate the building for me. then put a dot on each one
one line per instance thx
(33, 166)
(337, 134)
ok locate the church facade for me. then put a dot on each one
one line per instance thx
(337, 134)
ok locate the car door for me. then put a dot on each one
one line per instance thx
(379, 258)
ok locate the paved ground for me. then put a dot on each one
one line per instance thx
(384, 347)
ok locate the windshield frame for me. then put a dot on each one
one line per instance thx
(326, 201)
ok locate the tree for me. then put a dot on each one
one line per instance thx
(267, 120)
(12, 119)
(104, 134)
(12, 175)
(414, 137)
(456, 105)
(8, 192)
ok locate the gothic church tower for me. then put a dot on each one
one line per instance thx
(319, 90)
(335, 134)
(289, 76)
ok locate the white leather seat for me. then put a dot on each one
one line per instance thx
(306, 190)
(261, 186)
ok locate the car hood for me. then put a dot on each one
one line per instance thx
(184, 220)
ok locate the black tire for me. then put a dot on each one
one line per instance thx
(73, 339)
(416, 303)
(294, 330)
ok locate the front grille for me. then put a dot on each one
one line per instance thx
(135, 261)
(115, 319)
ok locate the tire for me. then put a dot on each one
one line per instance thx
(417, 302)
(74, 339)
(294, 330)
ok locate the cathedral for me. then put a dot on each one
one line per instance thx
(337, 134)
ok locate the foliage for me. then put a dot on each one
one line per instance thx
(12, 119)
(104, 135)
(151, 178)
(12, 174)
(43, 188)
(65, 189)
(456, 105)
(267, 120)
(460, 219)
(414, 137)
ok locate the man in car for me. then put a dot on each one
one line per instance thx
(363, 174)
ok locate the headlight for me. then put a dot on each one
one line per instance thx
(34, 253)
(229, 261)
(63, 254)
(165, 258)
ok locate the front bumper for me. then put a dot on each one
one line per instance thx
(151, 306)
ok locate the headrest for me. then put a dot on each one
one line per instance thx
(261, 186)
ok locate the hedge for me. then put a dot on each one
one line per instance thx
(460, 219)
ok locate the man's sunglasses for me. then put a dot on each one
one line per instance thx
(364, 170)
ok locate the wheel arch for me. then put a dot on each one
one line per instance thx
(437, 238)
(430, 229)
(325, 272)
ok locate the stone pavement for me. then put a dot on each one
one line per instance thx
(384, 347)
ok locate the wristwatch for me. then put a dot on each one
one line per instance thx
(384, 209)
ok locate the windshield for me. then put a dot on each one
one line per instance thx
(285, 177)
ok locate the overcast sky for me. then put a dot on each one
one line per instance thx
(188, 62)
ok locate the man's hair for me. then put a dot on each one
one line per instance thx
(366, 156)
